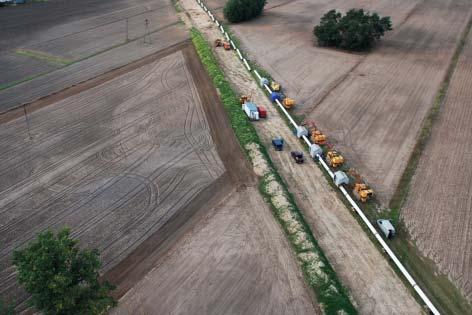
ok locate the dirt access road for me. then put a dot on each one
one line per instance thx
(374, 286)
(438, 210)
(370, 105)
(114, 163)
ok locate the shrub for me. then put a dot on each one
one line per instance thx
(357, 30)
(243, 10)
(61, 278)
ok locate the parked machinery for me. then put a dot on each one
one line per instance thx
(222, 43)
(288, 102)
(362, 192)
(334, 159)
(244, 98)
(275, 86)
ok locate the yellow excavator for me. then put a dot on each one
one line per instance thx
(334, 159)
(362, 192)
(318, 137)
(275, 86)
(288, 102)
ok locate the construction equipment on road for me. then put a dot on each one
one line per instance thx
(275, 96)
(362, 192)
(334, 159)
(386, 227)
(318, 137)
(262, 111)
(297, 156)
(288, 102)
(244, 98)
(222, 43)
(278, 143)
(251, 111)
(226, 46)
(275, 86)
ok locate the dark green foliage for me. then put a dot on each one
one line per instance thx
(6, 309)
(357, 30)
(61, 278)
(243, 10)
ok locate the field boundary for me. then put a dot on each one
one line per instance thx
(18, 111)
(331, 294)
(357, 209)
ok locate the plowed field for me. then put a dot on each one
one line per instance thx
(69, 32)
(234, 261)
(370, 105)
(114, 163)
(438, 211)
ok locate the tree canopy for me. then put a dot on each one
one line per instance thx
(243, 10)
(357, 30)
(61, 278)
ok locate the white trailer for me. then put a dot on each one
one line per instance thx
(251, 110)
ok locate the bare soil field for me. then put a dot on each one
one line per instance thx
(438, 210)
(115, 163)
(89, 68)
(370, 105)
(375, 287)
(75, 33)
(237, 245)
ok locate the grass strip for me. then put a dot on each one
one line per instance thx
(331, 294)
(44, 57)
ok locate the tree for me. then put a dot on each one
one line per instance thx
(243, 10)
(357, 30)
(61, 278)
(6, 309)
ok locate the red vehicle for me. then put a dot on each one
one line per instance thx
(262, 112)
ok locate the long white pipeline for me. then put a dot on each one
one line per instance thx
(372, 229)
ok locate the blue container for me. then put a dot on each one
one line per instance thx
(275, 96)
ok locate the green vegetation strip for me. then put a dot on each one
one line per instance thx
(44, 57)
(331, 294)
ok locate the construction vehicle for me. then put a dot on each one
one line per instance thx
(262, 111)
(362, 192)
(278, 143)
(218, 42)
(244, 98)
(297, 156)
(386, 227)
(288, 103)
(221, 43)
(334, 159)
(275, 86)
(318, 137)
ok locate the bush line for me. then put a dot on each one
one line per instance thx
(331, 294)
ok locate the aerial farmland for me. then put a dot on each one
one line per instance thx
(148, 128)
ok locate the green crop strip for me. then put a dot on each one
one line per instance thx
(331, 294)
(44, 57)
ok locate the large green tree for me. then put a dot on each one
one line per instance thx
(243, 10)
(357, 30)
(62, 278)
